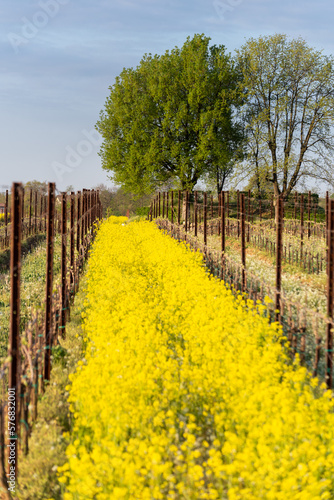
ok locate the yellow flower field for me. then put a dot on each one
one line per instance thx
(184, 392)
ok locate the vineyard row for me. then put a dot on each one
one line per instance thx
(310, 333)
(27, 368)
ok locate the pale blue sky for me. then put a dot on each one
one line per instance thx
(58, 58)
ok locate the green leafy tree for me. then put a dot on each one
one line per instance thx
(40, 187)
(289, 112)
(171, 118)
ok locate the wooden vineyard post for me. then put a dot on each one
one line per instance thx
(167, 207)
(279, 228)
(330, 294)
(14, 334)
(243, 242)
(49, 279)
(159, 204)
(205, 209)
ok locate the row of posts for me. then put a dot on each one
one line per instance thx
(86, 209)
(156, 211)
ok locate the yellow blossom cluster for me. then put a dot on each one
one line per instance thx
(185, 391)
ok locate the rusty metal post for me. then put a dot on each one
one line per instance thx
(86, 211)
(83, 217)
(248, 216)
(90, 210)
(167, 205)
(45, 212)
(49, 279)
(218, 216)
(14, 334)
(301, 227)
(327, 225)
(63, 264)
(205, 216)
(330, 294)
(238, 212)
(222, 211)
(279, 229)
(159, 204)
(243, 243)
(228, 212)
(72, 238)
(187, 211)
(163, 204)
(195, 214)
(22, 205)
(179, 208)
(41, 212)
(172, 207)
(309, 215)
(30, 211)
(35, 213)
(78, 219)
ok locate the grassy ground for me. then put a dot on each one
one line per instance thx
(33, 273)
(27, 247)
(297, 285)
(48, 442)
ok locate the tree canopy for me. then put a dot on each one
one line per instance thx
(289, 112)
(172, 119)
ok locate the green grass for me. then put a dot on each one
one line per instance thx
(33, 272)
(48, 442)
